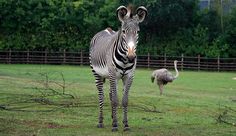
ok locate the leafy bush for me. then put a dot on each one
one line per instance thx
(171, 27)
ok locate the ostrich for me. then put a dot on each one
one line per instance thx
(163, 76)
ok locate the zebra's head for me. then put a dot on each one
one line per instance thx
(130, 28)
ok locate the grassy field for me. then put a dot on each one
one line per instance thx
(62, 100)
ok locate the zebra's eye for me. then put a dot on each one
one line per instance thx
(123, 31)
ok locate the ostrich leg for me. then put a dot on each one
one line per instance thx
(161, 88)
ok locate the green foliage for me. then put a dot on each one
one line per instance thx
(38, 24)
(231, 34)
(219, 47)
(171, 27)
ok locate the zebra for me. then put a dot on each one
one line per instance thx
(113, 57)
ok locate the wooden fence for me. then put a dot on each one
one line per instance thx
(145, 61)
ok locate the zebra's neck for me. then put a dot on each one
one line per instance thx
(119, 56)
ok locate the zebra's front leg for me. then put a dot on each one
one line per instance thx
(99, 85)
(114, 102)
(127, 81)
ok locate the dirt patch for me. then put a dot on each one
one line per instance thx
(50, 125)
(234, 78)
(55, 125)
(181, 110)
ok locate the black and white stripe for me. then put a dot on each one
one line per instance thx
(112, 56)
(119, 57)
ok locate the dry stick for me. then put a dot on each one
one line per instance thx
(42, 99)
(64, 83)
(230, 108)
(221, 119)
(147, 109)
(63, 86)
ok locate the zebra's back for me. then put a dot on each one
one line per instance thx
(100, 48)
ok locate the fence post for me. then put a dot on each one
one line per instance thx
(45, 56)
(198, 62)
(9, 57)
(64, 56)
(165, 60)
(148, 60)
(182, 62)
(218, 63)
(81, 57)
(27, 56)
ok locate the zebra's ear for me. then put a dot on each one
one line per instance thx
(141, 13)
(121, 12)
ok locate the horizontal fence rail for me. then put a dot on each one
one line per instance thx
(145, 61)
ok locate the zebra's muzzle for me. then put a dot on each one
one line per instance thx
(131, 53)
(131, 58)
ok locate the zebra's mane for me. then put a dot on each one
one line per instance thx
(131, 9)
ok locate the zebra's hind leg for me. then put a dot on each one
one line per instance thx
(99, 84)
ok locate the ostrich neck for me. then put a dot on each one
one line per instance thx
(176, 70)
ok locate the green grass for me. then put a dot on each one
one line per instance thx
(189, 106)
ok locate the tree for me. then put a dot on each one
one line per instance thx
(230, 34)
(172, 27)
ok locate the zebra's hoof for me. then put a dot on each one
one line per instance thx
(100, 125)
(126, 128)
(114, 129)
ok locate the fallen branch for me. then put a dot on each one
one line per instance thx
(147, 109)
(227, 116)
(54, 96)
